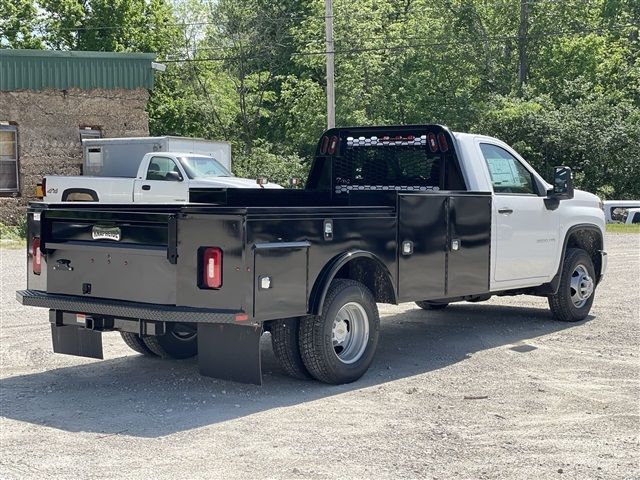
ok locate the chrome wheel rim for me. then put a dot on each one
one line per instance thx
(581, 286)
(350, 332)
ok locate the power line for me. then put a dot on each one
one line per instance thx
(345, 51)
(612, 28)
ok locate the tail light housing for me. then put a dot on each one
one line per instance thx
(333, 145)
(36, 256)
(210, 260)
(41, 189)
(442, 141)
(324, 145)
(433, 143)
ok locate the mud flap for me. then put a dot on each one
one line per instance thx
(76, 340)
(230, 352)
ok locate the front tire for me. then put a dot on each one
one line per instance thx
(338, 345)
(179, 341)
(575, 294)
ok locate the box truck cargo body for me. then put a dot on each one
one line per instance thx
(120, 157)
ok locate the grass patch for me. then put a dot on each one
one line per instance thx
(13, 236)
(622, 228)
(11, 244)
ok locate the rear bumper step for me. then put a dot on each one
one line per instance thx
(120, 309)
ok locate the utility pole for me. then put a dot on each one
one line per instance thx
(523, 31)
(331, 95)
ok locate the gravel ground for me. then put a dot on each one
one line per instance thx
(492, 390)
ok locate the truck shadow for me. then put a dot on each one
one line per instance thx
(148, 397)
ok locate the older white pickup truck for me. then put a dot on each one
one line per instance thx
(163, 177)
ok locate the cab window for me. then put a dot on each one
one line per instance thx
(163, 168)
(508, 175)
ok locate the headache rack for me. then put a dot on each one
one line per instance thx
(414, 158)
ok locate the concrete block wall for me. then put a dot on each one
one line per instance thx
(48, 124)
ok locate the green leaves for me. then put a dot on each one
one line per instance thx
(596, 134)
(253, 72)
(18, 22)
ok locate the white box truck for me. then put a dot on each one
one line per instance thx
(120, 157)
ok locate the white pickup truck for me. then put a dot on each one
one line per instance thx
(163, 177)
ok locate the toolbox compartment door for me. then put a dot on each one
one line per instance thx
(470, 226)
(423, 225)
(280, 280)
(450, 238)
(113, 255)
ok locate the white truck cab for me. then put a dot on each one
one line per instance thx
(530, 230)
(633, 216)
(619, 211)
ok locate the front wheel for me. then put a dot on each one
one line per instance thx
(338, 345)
(572, 302)
(179, 341)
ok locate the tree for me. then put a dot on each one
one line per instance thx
(18, 24)
(109, 25)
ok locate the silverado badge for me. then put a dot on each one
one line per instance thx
(105, 233)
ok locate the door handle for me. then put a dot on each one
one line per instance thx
(505, 210)
(146, 187)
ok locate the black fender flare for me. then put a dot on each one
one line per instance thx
(329, 271)
(552, 286)
(87, 191)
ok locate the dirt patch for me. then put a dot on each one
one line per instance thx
(492, 390)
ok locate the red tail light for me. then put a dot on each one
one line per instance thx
(433, 144)
(333, 145)
(36, 256)
(442, 140)
(211, 267)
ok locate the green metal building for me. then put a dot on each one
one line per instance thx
(51, 100)
(63, 70)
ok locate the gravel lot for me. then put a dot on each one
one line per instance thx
(493, 390)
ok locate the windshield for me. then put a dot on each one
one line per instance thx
(198, 167)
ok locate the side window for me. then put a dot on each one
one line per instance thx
(163, 168)
(508, 175)
(636, 218)
(8, 159)
(619, 214)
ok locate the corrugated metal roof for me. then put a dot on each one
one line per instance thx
(63, 70)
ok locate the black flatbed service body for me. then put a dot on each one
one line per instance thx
(394, 216)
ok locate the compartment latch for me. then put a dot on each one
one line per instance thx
(63, 264)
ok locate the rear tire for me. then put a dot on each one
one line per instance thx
(134, 342)
(338, 345)
(423, 304)
(576, 291)
(285, 342)
(180, 341)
